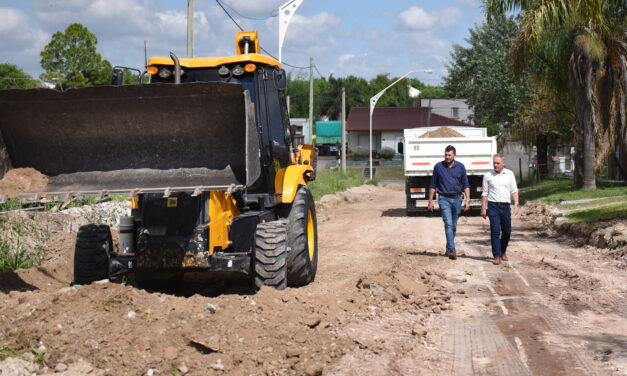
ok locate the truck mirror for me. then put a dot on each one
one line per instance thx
(399, 148)
(117, 77)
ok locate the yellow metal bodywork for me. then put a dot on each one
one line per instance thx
(222, 209)
(253, 56)
(288, 179)
(253, 46)
(211, 62)
(135, 202)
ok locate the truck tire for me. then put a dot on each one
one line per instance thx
(271, 255)
(302, 240)
(91, 254)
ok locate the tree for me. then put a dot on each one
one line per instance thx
(481, 74)
(332, 98)
(71, 60)
(597, 68)
(12, 77)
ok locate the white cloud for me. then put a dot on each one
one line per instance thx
(416, 18)
(344, 58)
(25, 42)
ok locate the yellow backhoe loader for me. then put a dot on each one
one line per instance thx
(205, 152)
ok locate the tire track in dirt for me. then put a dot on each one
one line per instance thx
(528, 318)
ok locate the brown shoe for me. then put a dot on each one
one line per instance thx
(497, 261)
(504, 257)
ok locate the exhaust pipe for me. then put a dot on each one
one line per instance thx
(177, 68)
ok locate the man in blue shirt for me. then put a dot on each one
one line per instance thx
(449, 179)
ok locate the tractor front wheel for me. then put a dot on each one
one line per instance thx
(302, 239)
(91, 254)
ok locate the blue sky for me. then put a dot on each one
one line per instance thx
(363, 38)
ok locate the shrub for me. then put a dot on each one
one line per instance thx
(387, 154)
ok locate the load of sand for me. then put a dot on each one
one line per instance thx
(442, 132)
(22, 180)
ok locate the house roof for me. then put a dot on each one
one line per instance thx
(396, 119)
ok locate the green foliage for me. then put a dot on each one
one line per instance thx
(493, 128)
(390, 173)
(71, 60)
(481, 74)
(13, 77)
(21, 243)
(328, 94)
(604, 203)
(386, 154)
(329, 181)
(358, 156)
(551, 191)
(15, 342)
(11, 204)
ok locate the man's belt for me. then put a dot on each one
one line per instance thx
(450, 196)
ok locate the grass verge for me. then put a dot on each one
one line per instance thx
(390, 173)
(21, 243)
(607, 202)
(330, 181)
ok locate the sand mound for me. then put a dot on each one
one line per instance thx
(442, 132)
(22, 180)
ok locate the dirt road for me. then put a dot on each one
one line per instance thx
(385, 302)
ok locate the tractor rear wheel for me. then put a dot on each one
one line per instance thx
(91, 254)
(302, 239)
(271, 255)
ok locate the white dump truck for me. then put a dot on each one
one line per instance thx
(474, 149)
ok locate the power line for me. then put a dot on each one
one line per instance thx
(263, 49)
(273, 14)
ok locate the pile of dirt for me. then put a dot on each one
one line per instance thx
(442, 132)
(22, 180)
(607, 237)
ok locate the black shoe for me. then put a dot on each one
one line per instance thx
(452, 255)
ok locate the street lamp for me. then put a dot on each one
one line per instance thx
(286, 11)
(373, 102)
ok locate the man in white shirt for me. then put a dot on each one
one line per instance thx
(498, 188)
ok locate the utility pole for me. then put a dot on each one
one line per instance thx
(311, 80)
(190, 28)
(429, 114)
(343, 149)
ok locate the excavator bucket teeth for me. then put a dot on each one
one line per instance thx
(132, 136)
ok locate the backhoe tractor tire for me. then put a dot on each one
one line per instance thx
(302, 239)
(271, 255)
(91, 254)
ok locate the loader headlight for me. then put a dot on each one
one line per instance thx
(165, 73)
(238, 70)
(223, 71)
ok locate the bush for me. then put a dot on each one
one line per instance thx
(358, 156)
(386, 154)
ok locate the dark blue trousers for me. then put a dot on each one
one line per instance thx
(500, 227)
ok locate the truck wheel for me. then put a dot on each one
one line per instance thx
(271, 255)
(302, 240)
(91, 254)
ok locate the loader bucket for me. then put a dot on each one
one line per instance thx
(133, 137)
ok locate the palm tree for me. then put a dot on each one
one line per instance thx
(597, 68)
